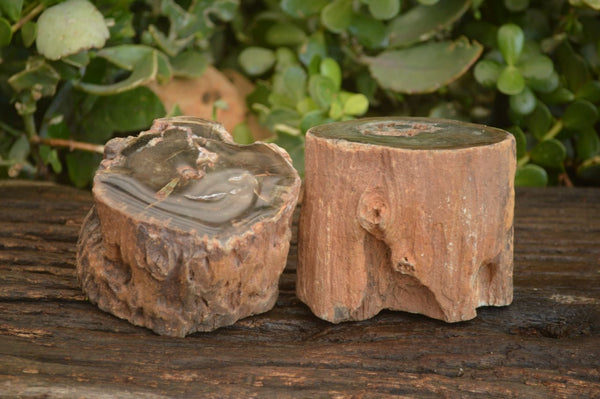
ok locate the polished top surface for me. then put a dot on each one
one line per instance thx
(196, 183)
(411, 133)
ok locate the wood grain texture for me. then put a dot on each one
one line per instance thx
(53, 343)
(426, 230)
(208, 250)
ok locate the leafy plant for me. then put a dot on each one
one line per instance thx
(528, 66)
(76, 76)
(320, 61)
(545, 62)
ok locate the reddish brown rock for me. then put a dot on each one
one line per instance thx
(197, 97)
(189, 232)
(406, 214)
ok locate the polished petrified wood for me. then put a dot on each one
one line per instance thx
(189, 231)
(406, 214)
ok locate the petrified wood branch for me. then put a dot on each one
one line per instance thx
(189, 231)
(406, 214)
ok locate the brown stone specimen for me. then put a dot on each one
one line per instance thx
(406, 214)
(189, 231)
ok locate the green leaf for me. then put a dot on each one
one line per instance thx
(313, 118)
(260, 95)
(256, 60)
(336, 110)
(77, 60)
(190, 64)
(384, 9)
(38, 76)
(303, 8)
(169, 45)
(588, 143)
(487, 72)
(5, 32)
(422, 22)
(133, 110)
(546, 85)
(284, 34)
(369, 31)
(28, 33)
(539, 121)
(589, 91)
(322, 90)
(127, 56)
(12, 9)
(121, 29)
(590, 170)
(144, 71)
(284, 57)
(580, 114)
(242, 134)
(50, 156)
(429, 2)
(282, 116)
(561, 95)
(58, 130)
(69, 27)
(510, 39)
(356, 105)
(523, 103)
(537, 67)
(19, 151)
(366, 85)
(82, 166)
(182, 23)
(225, 10)
(595, 4)
(337, 15)
(331, 69)
(531, 175)
(447, 110)
(572, 66)
(510, 81)
(294, 79)
(549, 153)
(516, 5)
(314, 47)
(294, 145)
(306, 105)
(423, 68)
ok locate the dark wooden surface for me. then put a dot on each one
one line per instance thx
(53, 343)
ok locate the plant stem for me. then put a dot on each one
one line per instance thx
(523, 161)
(287, 129)
(554, 130)
(9, 129)
(38, 9)
(29, 123)
(71, 144)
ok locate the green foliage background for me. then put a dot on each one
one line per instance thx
(73, 74)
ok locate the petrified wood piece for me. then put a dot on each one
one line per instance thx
(406, 214)
(189, 231)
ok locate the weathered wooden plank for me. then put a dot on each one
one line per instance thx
(546, 344)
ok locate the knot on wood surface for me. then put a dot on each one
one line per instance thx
(433, 202)
(373, 211)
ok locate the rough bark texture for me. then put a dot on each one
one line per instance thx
(160, 270)
(425, 228)
(55, 344)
